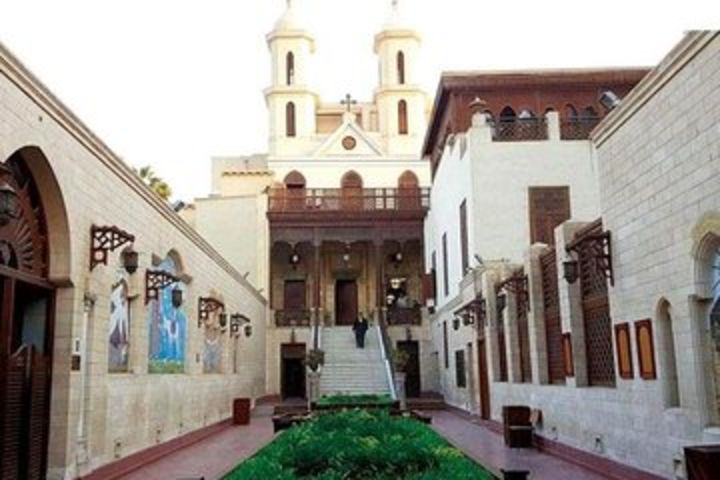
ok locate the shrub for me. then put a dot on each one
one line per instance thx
(356, 445)
(356, 400)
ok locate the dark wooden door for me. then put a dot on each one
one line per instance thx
(346, 302)
(292, 374)
(25, 360)
(484, 380)
(412, 370)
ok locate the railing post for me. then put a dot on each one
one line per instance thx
(553, 126)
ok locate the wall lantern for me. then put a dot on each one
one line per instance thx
(156, 281)
(206, 306)
(236, 322)
(571, 271)
(501, 302)
(104, 240)
(295, 259)
(456, 322)
(223, 320)
(177, 297)
(130, 260)
(397, 258)
(248, 330)
(346, 255)
(468, 318)
(9, 207)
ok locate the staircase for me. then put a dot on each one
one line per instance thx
(351, 370)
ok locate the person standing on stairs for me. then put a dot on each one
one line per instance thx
(360, 327)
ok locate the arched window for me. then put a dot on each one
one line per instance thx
(294, 179)
(589, 113)
(507, 114)
(290, 120)
(570, 112)
(408, 191)
(402, 117)
(668, 362)
(352, 191)
(401, 68)
(290, 68)
(294, 191)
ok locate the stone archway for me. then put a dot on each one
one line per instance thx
(34, 259)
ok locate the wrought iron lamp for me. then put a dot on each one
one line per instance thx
(177, 297)
(104, 240)
(130, 260)
(236, 322)
(346, 254)
(456, 322)
(571, 271)
(9, 207)
(295, 259)
(501, 302)
(397, 258)
(156, 281)
(206, 306)
(248, 330)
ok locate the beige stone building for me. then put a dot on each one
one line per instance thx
(120, 327)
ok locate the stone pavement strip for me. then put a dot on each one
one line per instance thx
(214, 456)
(487, 447)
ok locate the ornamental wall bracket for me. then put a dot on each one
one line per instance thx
(106, 239)
(517, 284)
(599, 246)
(156, 281)
(206, 306)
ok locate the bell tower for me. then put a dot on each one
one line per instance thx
(400, 100)
(291, 104)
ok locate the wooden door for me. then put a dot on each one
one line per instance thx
(484, 380)
(412, 369)
(346, 302)
(292, 371)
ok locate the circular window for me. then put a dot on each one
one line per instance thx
(349, 143)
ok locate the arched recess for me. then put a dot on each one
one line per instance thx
(403, 117)
(31, 270)
(290, 120)
(295, 190)
(570, 112)
(507, 114)
(589, 113)
(668, 355)
(706, 311)
(408, 191)
(401, 67)
(290, 68)
(352, 191)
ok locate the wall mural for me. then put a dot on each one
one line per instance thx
(168, 328)
(212, 355)
(119, 332)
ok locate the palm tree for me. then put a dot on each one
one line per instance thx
(156, 184)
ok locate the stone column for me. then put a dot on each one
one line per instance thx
(536, 315)
(380, 274)
(317, 281)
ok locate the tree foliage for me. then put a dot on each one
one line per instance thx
(156, 184)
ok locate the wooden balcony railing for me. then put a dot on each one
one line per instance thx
(520, 129)
(578, 128)
(349, 200)
(292, 318)
(404, 316)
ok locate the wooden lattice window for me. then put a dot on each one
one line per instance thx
(549, 207)
(596, 309)
(521, 308)
(553, 323)
(624, 350)
(460, 376)
(645, 349)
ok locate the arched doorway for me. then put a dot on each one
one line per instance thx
(352, 191)
(408, 191)
(27, 300)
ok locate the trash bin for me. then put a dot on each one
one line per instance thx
(241, 411)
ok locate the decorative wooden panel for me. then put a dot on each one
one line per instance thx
(645, 349)
(428, 286)
(295, 293)
(460, 376)
(596, 314)
(551, 307)
(37, 418)
(502, 348)
(14, 416)
(567, 352)
(624, 350)
(549, 207)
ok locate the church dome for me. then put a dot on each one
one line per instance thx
(290, 20)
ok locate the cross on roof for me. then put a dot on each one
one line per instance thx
(348, 102)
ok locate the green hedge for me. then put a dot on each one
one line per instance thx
(356, 445)
(356, 400)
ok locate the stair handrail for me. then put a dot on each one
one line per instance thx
(386, 351)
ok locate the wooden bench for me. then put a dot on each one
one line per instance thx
(518, 424)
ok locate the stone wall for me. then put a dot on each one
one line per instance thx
(97, 417)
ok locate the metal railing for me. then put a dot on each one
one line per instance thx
(386, 349)
(404, 316)
(292, 318)
(349, 199)
(520, 129)
(578, 128)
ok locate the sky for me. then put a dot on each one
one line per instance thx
(171, 83)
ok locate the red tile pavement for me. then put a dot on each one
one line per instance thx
(487, 448)
(214, 456)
